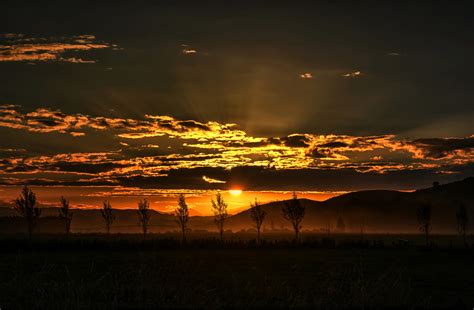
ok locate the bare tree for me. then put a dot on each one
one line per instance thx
(294, 211)
(219, 207)
(257, 214)
(144, 215)
(423, 214)
(27, 206)
(107, 215)
(463, 221)
(65, 214)
(182, 216)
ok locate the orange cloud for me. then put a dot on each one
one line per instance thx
(212, 181)
(18, 48)
(198, 145)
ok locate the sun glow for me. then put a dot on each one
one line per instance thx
(235, 192)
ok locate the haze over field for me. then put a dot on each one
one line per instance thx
(379, 211)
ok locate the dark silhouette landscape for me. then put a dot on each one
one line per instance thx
(372, 211)
(364, 249)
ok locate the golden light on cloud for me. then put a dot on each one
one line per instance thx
(189, 51)
(306, 75)
(352, 74)
(20, 48)
(191, 144)
(211, 180)
(235, 192)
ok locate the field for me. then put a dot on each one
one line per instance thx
(122, 271)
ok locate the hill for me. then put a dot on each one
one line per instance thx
(373, 211)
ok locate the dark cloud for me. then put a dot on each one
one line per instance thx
(444, 147)
(85, 167)
(334, 144)
(193, 125)
(317, 153)
(256, 178)
(296, 140)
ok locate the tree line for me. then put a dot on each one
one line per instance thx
(293, 211)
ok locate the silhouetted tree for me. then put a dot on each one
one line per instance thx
(463, 220)
(423, 214)
(144, 215)
(219, 207)
(257, 214)
(182, 216)
(341, 226)
(107, 215)
(27, 206)
(294, 211)
(65, 214)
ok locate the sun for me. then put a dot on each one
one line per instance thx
(235, 192)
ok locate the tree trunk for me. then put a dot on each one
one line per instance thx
(183, 237)
(221, 230)
(258, 236)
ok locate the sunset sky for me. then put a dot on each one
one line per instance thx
(125, 101)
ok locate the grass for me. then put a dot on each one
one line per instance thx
(120, 272)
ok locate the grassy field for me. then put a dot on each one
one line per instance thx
(91, 271)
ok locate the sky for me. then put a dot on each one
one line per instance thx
(127, 100)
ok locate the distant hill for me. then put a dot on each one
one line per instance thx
(367, 211)
(374, 211)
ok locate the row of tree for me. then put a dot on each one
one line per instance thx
(293, 211)
(28, 208)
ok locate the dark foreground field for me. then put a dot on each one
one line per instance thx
(92, 272)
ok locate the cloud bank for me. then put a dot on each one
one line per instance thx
(166, 151)
(19, 48)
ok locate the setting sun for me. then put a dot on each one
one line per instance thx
(235, 192)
